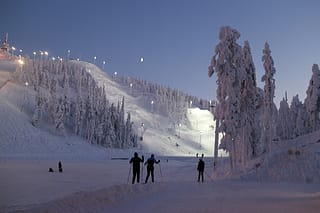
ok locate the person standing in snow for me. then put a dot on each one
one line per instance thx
(150, 167)
(200, 169)
(60, 166)
(136, 167)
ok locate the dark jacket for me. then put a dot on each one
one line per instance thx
(136, 162)
(200, 165)
(151, 161)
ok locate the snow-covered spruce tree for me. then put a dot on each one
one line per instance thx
(248, 105)
(284, 123)
(59, 116)
(298, 117)
(102, 117)
(53, 100)
(121, 124)
(228, 64)
(78, 115)
(37, 112)
(130, 136)
(269, 88)
(312, 101)
(114, 116)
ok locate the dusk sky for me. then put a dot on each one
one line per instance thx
(176, 38)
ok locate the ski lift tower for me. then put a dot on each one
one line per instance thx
(5, 45)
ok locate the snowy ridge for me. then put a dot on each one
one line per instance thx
(296, 160)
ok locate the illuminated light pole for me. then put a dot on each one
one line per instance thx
(141, 59)
(21, 62)
(68, 55)
(13, 49)
(46, 54)
(142, 131)
(103, 63)
(25, 99)
(41, 53)
(131, 85)
(34, 55)
(179, 125)
(94, 59)
(53, 58)
(152, 106)
(115, 75)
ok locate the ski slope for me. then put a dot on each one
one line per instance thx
(19, 137)
(160, 136)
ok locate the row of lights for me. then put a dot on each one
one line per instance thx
(45, 53)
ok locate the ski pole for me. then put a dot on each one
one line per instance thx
(141, 174)
(129, 174)
(160, 170)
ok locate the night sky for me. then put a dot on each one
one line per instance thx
(176, 38)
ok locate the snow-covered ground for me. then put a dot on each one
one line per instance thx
(103, 187)
(96, 180)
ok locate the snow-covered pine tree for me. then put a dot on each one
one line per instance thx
(66, 100)
(312, 101)
(78, 115)
(228, 64)
(37, 112)
(59, 116)
(248, 105)
(129, 134)
(269, 88)
(298, 117)
(122, 129)
(284, 123)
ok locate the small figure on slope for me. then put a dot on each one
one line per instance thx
(136, 167)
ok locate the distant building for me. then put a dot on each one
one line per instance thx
(4, 50)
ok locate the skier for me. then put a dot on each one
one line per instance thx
(200, 169)
(60, 166)
(150, 168)
(136, 167)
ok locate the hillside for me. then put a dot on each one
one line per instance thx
(20, 138)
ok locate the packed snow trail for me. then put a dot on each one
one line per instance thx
(225, 196)
(186, 196)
